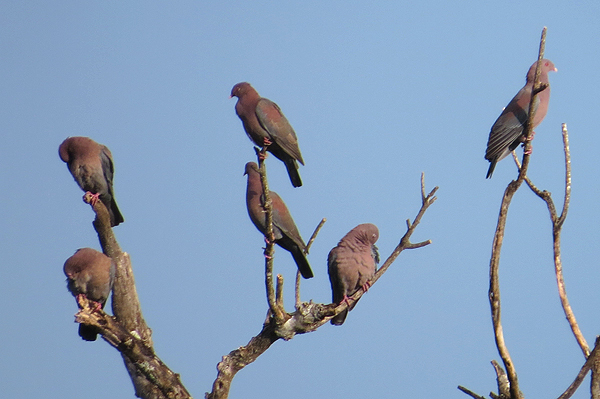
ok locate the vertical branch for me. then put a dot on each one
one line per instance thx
(557, 223)
(595, 383)
(537, 87)
(279, 291)
(151, 378)
(125, 302)
(277, 312)
(494, 290)
(297, 300)
(511, 189)
(563, 214)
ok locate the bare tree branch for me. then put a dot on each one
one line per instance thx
(502, 381)
(308, 245)
(307, 317)
(279, 291)
(314, 234)
(133, 348)
(557, 223)
(278, 312)
(297, 289)
(128, 331)
(511, 189)
(471, 393)
(592, 359)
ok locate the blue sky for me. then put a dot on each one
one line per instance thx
(377, 93)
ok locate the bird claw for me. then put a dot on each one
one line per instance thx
(345, 299)
(83, 302)
(523, 138)
(93, 198)
(528, 151)
(366, 286)
(532, 136)
(267, 142)
(97, 306)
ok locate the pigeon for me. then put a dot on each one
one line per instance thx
(92, 167)
(90, 273)
(507, 131)
(351, 265)
(285, 230)
(265, 124)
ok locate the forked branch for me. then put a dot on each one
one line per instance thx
(307, 317)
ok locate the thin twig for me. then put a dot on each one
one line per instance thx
(298, 275)
(279, 291)
(297, 289)
(426, 202)
(567, 201)
(314, 235)
(470, 393)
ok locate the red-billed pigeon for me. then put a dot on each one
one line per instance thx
(351, 265)
(265, 124)
(285, 230)
(92, 167)
(90, 273)
(507, 131)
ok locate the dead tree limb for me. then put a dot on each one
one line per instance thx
(591, 362)
(307, 317)
(557, 223)
(511, 189)
(277, 311)
(128, 331)
(309, 243)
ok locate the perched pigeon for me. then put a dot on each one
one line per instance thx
(507, 131)
(90, 273)
(351, 264)
(285, 230)
(92, 167)
(265, 124)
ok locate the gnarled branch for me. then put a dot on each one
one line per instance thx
(128, 331)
